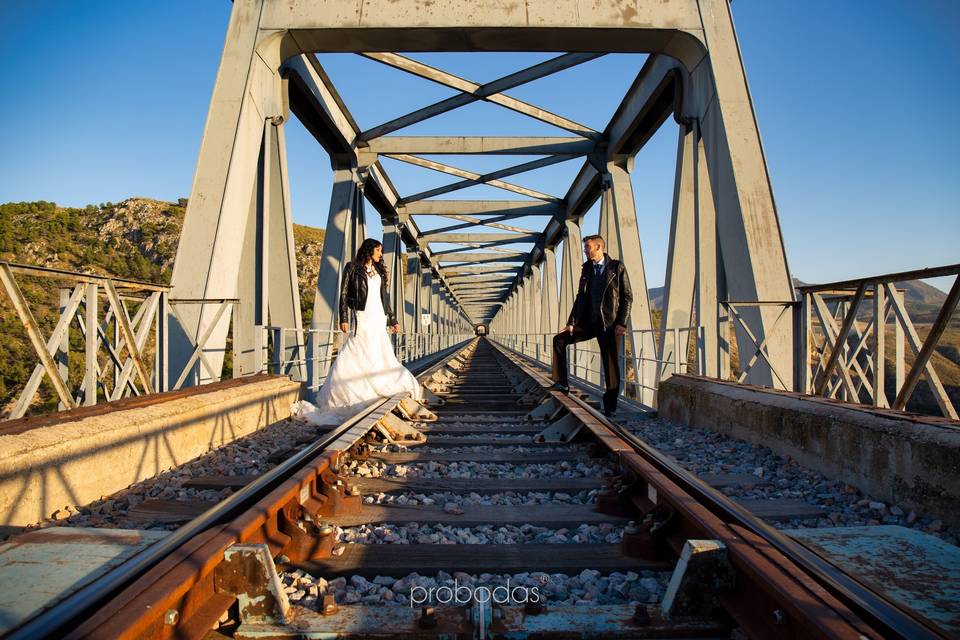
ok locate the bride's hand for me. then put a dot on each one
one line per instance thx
(395, 328)
(345, 326)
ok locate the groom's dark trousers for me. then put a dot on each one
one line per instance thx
(609, 356)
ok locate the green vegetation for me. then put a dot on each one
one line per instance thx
(134, 239)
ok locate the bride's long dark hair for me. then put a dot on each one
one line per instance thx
(365, 252)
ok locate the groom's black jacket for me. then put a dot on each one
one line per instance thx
(617, 296)
(353, 293)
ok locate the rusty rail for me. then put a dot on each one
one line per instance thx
(778, 591)
(782, 590)
(169, 589)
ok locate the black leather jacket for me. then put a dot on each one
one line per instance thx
(617, 296)
(353, 293)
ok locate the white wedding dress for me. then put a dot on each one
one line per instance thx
(364, 370)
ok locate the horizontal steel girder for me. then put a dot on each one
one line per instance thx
(482, 237)
(471, 178)
(515, 208)
(482, 257)
(460, 271)
(492, 145)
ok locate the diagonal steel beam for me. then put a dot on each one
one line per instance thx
(472, 179)
(471, 92)
(473, 222)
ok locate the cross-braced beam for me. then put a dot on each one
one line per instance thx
(477, 245)
(482, 238)
(517, 256)
(471, 222)
(471, 92)
(471, 178)
(513, 208)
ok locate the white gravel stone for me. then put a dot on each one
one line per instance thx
(589, 587)
(707, 452)
(416, 533)
(246, 456)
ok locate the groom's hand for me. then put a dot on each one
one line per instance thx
(395, 328)
(620, 331)
(567, 329)
(344, 326)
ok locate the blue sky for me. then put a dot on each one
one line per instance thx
(856, 102)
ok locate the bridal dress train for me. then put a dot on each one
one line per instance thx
(364, 370)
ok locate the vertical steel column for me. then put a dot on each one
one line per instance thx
(899, 346)
(426, 288)
(411, 293)
(63, 349)
(161, 373)
(442, 317)
(344, 228)
(550, 320)
(248, 95)
(393, 260)
(750, 242)
(92, 341)
(435, 315)
(706, 292)
(283, 288)
(806, 342)
(524, 310)
(536, 310)
(115, 368)
(624, 244)
(879, 345)
(678, 286)
(570, 268)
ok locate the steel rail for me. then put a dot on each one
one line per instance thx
(890, 619)
(53, 622)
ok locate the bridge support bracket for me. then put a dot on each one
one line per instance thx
(248, 573)
(563, 430)
(549, 409)
(702, 573)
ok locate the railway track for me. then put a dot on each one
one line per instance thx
(525, 512)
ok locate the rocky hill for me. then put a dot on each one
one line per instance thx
(136, 238)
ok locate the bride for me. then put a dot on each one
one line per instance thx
(366, 367)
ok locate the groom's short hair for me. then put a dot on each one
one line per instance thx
(603, 243)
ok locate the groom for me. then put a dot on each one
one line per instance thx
(600, 311)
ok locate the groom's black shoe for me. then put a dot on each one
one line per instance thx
(610, 413)
(560, 387)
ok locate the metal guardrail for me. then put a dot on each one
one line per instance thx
(843, 349)
(68, 612)
(300, 358)
(122, 326)
(641, 372)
